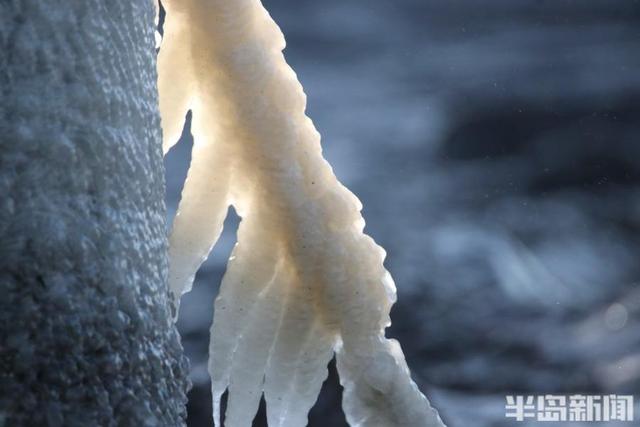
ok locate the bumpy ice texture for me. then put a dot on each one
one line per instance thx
(303, 280)
(86, 335)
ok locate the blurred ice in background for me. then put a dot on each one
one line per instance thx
(495, 146)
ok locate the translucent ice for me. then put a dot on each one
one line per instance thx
(303, 281)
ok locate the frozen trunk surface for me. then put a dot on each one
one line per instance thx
(304, 281)
(86, 334)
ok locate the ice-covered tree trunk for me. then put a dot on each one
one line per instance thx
(87, 336)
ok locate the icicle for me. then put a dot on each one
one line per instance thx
(303, 280)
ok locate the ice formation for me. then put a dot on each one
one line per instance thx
(86, 336)
(303, 280)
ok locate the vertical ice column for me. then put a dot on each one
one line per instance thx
(86, 334)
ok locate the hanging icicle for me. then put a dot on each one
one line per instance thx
(303, 281)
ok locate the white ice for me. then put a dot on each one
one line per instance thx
(303, 281)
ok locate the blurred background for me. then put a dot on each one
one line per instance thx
(495, 146)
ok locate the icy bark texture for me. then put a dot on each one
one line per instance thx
(86, 332)
(303, 280)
